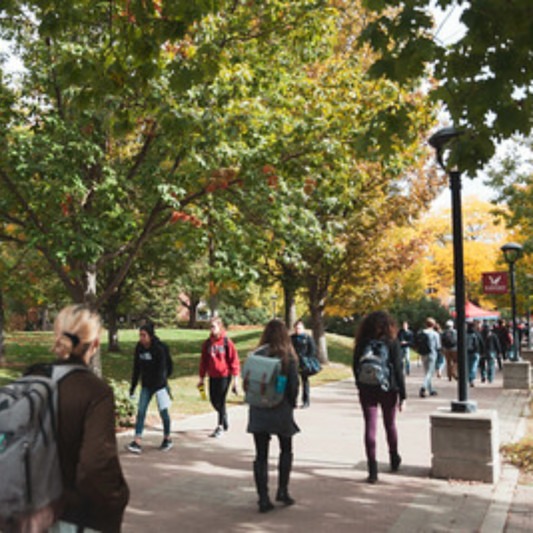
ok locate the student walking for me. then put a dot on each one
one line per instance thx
(263, 422)
(405, 336)
(377, 354)
(153, 365)
(220, 362)
(95, 492)
(488, 359)
(305, 348)
(428, 346)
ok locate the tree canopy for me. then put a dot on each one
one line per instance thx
(484, 79)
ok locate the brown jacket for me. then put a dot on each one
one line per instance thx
(96, 492)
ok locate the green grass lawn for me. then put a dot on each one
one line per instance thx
(25, 348)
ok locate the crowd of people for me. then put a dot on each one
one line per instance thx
(487, 345)
(95, 496)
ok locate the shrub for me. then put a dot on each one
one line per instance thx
(243, 316)
(124, 406)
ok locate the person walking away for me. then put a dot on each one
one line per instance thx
(220, 362)
(153, 365)
(263, 422)
(439, 363)
(429, 358)
(377, 332)
(448, 341)
(492, 351)
(474, 349)
(405, 336)
(304, 346)
(484, 332)
(506, 341)
(95, 492)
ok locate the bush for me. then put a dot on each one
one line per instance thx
(342, 325)
(243, 316)
(125, 407)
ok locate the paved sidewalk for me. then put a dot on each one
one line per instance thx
(206, 484)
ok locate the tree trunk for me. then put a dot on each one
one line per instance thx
(45, 319)
(112, 327)
(317, 299)
(90, 300)
(193, 307)
(2, 325)
(289, 296)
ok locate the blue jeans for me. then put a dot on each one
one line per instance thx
(486, 367)
(428, 362)
(473, 361)
(144, 400)
(406, 359)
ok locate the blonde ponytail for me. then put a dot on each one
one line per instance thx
(75, 328)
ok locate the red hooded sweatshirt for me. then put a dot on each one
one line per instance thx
(215, 362)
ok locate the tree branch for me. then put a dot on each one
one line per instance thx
(143, 151)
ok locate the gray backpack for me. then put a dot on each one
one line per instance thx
(263, 383)
(29, 462)
(373, 365)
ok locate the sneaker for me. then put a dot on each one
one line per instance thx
(422, 393)
(166, 445)
(134, 447)
(217, 433)
(433, 393)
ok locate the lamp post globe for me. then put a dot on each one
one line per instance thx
(512, 252)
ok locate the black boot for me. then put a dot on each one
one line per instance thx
(372, 471)
(261, 483)
(395, 462)
(284, 471)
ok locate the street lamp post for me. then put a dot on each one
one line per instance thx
(440, 141)
(512, 253)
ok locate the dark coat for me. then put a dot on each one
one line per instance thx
(396, 366)
(153, 365)
(96, 492)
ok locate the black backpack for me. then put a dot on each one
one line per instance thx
(373, 366)
(449, 339)
(422, 345)
(471, 342)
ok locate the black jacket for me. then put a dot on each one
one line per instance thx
(396, 366)
(153, 365)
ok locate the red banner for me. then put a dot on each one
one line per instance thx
(495, 282)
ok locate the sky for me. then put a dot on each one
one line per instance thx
(448, 29)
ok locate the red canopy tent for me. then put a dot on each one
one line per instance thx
(473, 311)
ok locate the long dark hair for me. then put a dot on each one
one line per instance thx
(277, 337)
(378, 325)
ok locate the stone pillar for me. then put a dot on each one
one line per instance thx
(465, 446)
(527, 355)
(517, 375)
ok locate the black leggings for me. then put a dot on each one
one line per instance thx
(262, 441)
(218, 390)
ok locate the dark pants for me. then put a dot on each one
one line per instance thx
(370, 398)
(305, 389)
(218, 390)
(262, 441)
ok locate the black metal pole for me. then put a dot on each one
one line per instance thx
(513, 310)
(462, 405)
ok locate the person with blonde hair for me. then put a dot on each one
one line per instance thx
(95, 491)
(263, 422)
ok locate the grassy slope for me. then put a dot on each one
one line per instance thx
(23, 349)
